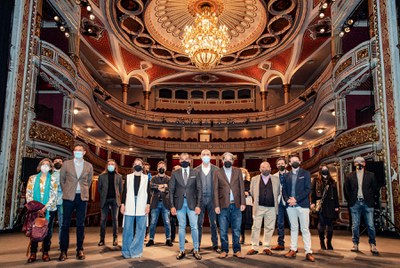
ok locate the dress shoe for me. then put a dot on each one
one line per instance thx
(196, 255)
(181, 255)
(374, 251)
(150, 243)
(252, 252)
(169, 243)
(186, 241)
(216, 249)
(63, 256)
(267, 251)
(290, 254)
(101, 243)
(32, 258)
(241, 241)
(354, 248)
(80, 255)
(45, 257)
(278, 247)
(239, 255)
(223, 255)
(260, 243)
(310, 257)
(115, 242)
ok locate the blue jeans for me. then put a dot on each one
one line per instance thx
(359, 208)
(60, 221)
(181, 214)
(155, 212)
(233, 216)
(281, 223)
(69, 207)
(133, 236)
(208, 205)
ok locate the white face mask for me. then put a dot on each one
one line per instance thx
(44, 168)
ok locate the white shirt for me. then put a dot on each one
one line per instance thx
(360, 176)
(206, 170)
(187, 172)
(78, 163)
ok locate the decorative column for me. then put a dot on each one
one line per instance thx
(122, 162)
(264, 95)
(226, 133)
(145, 128)
(286, 90)
(125, 88)
(146, 95)
(68, 112)
(340, 113)
(183, 133)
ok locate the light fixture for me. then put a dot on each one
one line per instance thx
(76, 111)
(278, 150)
(130, 149)
(56, 18)
(322, 30)
(341, 34)
(300, 142)
(322, 15)
(67, 33)
(325, 5)
(89, 8)
(333, 113)
(320, 130)
(89, 129)
(205, 42)
(92, 16)
(350, 22)
(108, 141)
(347, 29)
(62, 28)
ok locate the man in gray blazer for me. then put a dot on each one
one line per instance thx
(206, 172)
(110, 189)
(185, 195)
(75, 180)
(264, 189)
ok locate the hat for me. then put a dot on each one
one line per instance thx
(359, 159)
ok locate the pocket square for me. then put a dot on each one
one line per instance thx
(192, 177)
(302, 177)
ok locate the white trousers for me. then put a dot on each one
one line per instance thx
(269, 215)
(302, 215)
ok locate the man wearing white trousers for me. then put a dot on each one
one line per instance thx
(264, 190)
(296, 189)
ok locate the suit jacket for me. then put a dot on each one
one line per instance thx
(303, 188)
(156, 194)
(102, 187)
(213, 168)
(193, 189)
(69, 180)
(222, 188)
(255, 191)
(369, 188)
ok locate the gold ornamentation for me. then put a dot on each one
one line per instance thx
(47, 52)
(64, 63)
(50, 134)
(356, 137)
(361, 54)
(343, 66)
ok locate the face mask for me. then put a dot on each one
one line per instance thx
(205, 159)
(325, 172)
(185, 164)
(266, 173)
(110, 168)
(161, 170)
(57, 165)
(138, 168)
(360, 166)
(44, 168)
(281, 168)
(295, 164)
(227, 164)
(78, 154)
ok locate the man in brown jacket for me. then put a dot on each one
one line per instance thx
(229, 202)
(75, 180)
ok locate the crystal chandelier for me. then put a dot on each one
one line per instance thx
(205, 42)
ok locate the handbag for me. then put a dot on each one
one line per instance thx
(40, 229)
(318, 203)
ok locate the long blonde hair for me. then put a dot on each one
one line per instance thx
(245, 171)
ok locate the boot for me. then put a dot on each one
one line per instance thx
(329, 240)
(322, 239)
(115, 241)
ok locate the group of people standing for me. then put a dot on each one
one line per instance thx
(224, 193)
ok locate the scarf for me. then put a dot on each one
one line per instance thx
(46, 194)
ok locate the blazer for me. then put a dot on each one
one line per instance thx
(255, 191)
(303, 188)
(222, 188)
(102, 188)
(69, 180)
(213, 168)
(136, 207)
(369, 188)
(156, 195)
(192, 190)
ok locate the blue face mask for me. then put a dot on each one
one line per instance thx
(78, 154)
(110, 168)
(206, 159)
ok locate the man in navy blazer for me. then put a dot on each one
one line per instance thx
(296, 190)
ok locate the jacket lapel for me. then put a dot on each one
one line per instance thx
(179, 176)
(73, 169)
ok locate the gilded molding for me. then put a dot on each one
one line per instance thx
(356, 137)
(344, 66)
(64, 63)
(50, 134)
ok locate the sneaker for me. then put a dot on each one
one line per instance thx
(374, 250)
(150, 243)
(354, 248)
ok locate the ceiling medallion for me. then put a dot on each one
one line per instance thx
(205, 41)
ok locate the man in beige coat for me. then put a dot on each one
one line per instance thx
(264, 189)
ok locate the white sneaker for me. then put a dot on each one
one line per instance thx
(373, 249)
(355, 248)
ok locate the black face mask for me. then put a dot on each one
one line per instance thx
(161, 170)
(281, 168)
(360, 166)
(325, 172)
(185, 164)
(57, 165)
(227, 164)
(138, 168)
(295, 164)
